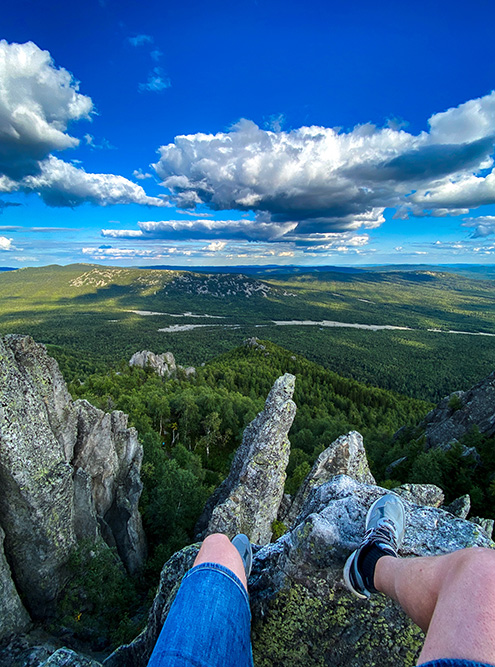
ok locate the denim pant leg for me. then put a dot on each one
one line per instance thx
(208, 624)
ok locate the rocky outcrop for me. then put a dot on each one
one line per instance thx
(37, 649)
(347, 456)
(485, 524)
(248, 500)
(64, 657)
(302, 612)
(163, 364)
(421, 494)
(109, 454)
(68, 472)
(458, 413)
(13, 617)
(460, 507)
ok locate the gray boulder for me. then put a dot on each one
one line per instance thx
(36, 489)
(421, 494)
(345, 456)
(302, 612)
(458, 413)
(249, 499)
(68, 472)
(163, 364)
(110, 455)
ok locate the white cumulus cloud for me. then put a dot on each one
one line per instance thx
(215, 246)
(5, 243)
(203, 229)
(324, 180)
(38, 101)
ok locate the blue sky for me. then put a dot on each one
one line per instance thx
(251, 132)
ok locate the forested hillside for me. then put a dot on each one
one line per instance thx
(420, 333)
(190, 426)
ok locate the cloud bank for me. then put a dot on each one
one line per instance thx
(38, 102)
(321, 180)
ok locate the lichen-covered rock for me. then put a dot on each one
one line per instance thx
(421, 494)
(458, 413)
(248, 500)
(67, 473)
(64, 657)
(163, 364)
(110, 454)
(345, 456)
(459, 507)
(13, 616)
(486, 524)
(36, 490)
(139, 651)
(302, 612)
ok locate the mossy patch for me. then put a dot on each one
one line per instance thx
(303, 627)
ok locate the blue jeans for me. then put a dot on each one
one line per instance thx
(449, 662)
(208, 624)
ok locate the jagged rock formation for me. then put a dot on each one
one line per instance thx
(421, 494)
(163, 364)
(347, 456)
(248, 500)
(458, 413)
(68, 472)
(302, 612)
(460, 507)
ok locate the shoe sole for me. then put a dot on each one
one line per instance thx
(347, 579)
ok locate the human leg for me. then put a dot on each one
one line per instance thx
(217, 548)
(450, 597)
(208, 624)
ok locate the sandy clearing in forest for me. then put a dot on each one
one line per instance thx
(329, 323)
(186, 314)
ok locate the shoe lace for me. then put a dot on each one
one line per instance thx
(385, 530)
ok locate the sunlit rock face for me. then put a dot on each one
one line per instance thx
(345, 456)
(458, 413)
(163, 364)
(249, 499)
(68, 472)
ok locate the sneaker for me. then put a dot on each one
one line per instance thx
(385, 523)
(243, 545)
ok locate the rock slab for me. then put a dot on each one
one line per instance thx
(249, 499)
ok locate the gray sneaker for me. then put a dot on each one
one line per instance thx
(243, 545)
(385, 523)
